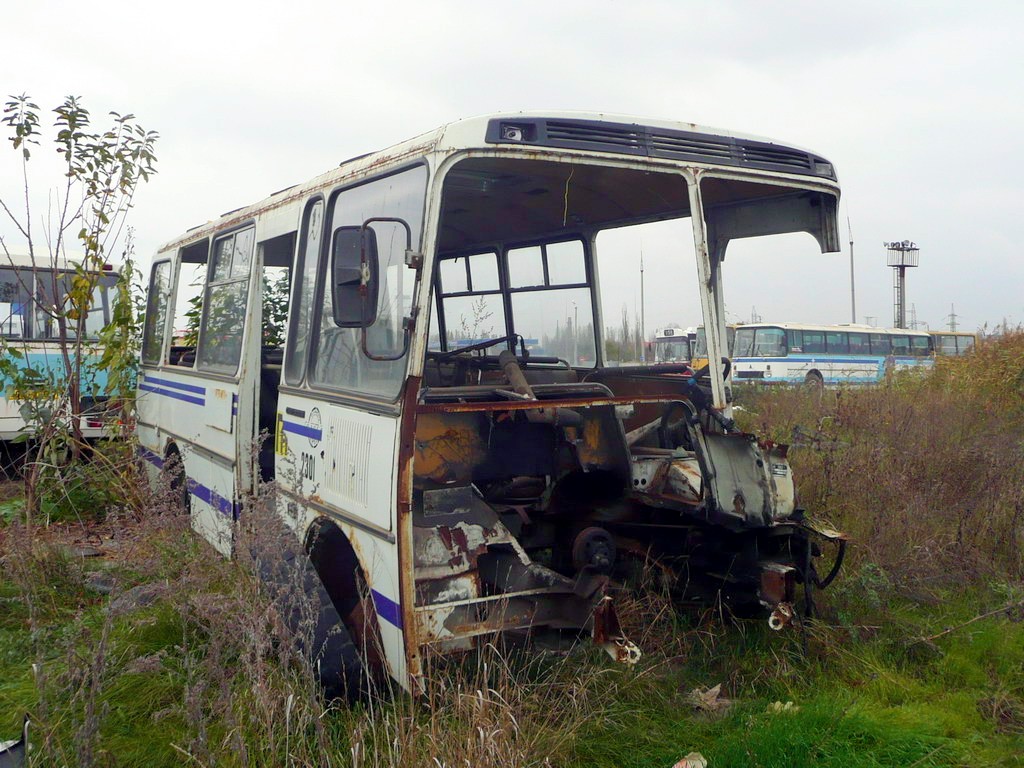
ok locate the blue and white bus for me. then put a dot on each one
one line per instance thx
(953, 343)
(789, 353)
(30, 290)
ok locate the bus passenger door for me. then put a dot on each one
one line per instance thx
(223, 382)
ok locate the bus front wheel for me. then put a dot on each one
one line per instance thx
(177, 481)
(814, 380)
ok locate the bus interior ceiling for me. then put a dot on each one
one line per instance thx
(538, 484)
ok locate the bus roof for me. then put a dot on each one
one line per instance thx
(670, 333)
(43, 260)
(856, 327)
(576, 132)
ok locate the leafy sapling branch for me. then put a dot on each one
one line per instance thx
(70, 325)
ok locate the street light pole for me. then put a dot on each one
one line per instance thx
(853, 293)
(643, 317)
(575, 333)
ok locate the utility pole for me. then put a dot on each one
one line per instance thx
(643, 316)
(952, 318)
(853, 293)
(575, 333)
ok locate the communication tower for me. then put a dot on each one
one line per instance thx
(901, 254)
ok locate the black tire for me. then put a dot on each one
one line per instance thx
(177, 481)
(316, 626)
(814, 380)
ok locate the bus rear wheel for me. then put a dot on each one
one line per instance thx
(814, 380)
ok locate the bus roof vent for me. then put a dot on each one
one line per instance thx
(633, 139)
(603, 137)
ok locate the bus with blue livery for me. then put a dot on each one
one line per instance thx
(33, 295)
(791, 353)
(953, 343)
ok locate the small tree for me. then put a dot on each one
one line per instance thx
(83, 228)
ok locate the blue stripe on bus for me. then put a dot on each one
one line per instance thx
(224, 506)
(387, 608)
(176, 385)
(302, 429)
(151, 457)
(211, 497)
(168, 393)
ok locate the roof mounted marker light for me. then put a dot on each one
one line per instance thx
(824, 169)
(511, 133)
(518, 132)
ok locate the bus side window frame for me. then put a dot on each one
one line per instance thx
(837, 342)
(880, 337)
(814, 348)
(297, 363)
(863, 344)
(161, 355)
(230, 279)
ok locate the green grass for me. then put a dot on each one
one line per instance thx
(11, 509)
(868, 702)
(195, 673)
(857, 704)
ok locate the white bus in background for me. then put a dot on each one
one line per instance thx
(27, 289)
(953, 343)
(790, 353)
(672, 345)
(700, 345)
(448, 484)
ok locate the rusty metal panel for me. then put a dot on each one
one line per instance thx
(448, 447)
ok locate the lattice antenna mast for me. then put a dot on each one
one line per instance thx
(952, 318)
(901, 255)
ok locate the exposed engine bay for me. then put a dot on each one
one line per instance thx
(540, 490)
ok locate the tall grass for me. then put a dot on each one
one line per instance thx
(924, 472)
(187, 661)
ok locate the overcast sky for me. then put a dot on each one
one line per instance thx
(918, 105)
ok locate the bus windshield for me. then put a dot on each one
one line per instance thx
(760, 342)
(671, 351)
(537, 285)
(700, 347)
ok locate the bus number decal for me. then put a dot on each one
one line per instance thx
(308, 466)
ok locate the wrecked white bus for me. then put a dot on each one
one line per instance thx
(457, 464)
